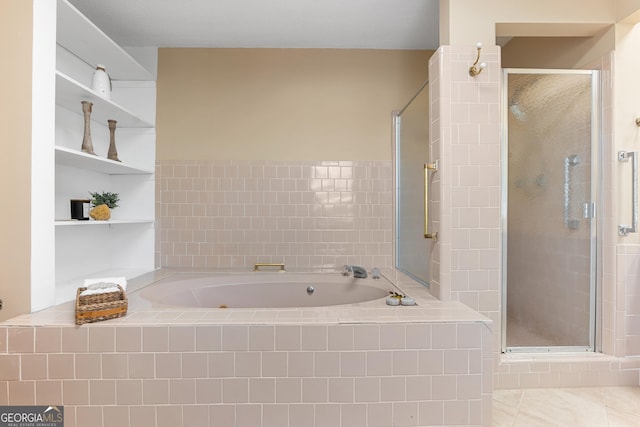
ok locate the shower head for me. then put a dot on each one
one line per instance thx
(519, 114)
(515, 106)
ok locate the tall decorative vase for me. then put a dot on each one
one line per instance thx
(101, 82)
(112, 154)
(87, 144)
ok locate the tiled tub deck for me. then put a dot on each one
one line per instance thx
(365, 365)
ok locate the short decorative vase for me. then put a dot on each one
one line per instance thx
(100, 213)
(112, 154)
(87, 144)
(101, 82)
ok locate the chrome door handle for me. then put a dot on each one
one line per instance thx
(623, 156)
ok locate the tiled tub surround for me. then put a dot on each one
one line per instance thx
(360, 365)
(307, 214)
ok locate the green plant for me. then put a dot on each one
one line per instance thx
(105, 198)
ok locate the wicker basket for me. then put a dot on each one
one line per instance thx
(94, 308)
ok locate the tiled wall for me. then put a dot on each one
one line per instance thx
(628, 311)
(606, 294)
(307, 214)
(465, 137)
(620, 292)
(366, 375)
(569, 370)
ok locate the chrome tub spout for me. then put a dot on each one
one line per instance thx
(357, 271)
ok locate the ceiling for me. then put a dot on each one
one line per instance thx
(354, 24)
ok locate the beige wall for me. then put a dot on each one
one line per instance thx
(467, 22)
(628, 10)
(557, 52)
(15, 170)
(282, 104)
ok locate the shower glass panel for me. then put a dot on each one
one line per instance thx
(412, 152)
(551, 119)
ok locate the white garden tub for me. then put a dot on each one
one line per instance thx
(264, 290)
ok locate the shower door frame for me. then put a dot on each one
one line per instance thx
(397, 199)
(595, 210)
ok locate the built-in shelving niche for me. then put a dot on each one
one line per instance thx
(124, 245)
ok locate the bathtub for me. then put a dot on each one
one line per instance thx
(264, 290)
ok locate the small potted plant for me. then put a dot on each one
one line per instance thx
(102, 205)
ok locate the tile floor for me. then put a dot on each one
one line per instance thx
(567, 407)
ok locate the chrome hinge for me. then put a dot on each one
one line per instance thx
(589, 210)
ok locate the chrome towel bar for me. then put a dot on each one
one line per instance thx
(623, 156)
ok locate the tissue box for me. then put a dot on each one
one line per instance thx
(94, 308)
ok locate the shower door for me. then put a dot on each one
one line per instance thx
(412, 250)
(551, 141)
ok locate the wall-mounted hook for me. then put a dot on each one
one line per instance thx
(476, 68)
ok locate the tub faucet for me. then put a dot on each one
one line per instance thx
(357, 271)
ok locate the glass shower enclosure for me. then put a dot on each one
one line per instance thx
(550, 188)
(412, 250)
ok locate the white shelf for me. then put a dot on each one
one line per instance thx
(82, 37)
(69, 94)
(89, 223)
(78, 159)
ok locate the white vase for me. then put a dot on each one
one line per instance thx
(101, 82)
